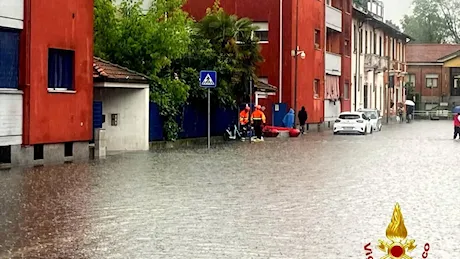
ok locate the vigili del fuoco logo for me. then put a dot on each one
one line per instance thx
(397, 245)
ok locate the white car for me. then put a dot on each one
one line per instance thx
(353, 122)
(376, 119)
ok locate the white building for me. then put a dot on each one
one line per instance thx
(121, 101)
(378, 56)
(11, 110)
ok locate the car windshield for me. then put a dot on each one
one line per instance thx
(371, 114)
(349, 116)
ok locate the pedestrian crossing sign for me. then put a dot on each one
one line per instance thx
(208, 78)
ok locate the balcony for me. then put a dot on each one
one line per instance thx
(333, 64)
(373, 61)
(333, 18)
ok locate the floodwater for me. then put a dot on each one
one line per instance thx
(317, 196)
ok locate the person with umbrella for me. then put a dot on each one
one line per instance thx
(456, 112)
(410, 105)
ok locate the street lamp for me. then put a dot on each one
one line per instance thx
(295, 53)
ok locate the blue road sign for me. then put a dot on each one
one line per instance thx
(208, 79)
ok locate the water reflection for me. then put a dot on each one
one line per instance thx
(318, 196)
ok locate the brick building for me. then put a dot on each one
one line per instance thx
(434, 72)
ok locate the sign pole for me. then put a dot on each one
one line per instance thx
(209, 118)
(208, 79)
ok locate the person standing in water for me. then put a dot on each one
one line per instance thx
(258, 120)
(456, 125)
(288, 120)
(303, 116)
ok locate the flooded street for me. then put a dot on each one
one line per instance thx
(318, 196)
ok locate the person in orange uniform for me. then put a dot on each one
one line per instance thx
(258, 120)
(244, 120)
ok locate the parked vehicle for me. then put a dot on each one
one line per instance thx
(353, 122)
(375, 118)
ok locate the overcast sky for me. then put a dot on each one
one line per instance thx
(396, 9)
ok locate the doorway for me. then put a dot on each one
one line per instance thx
(365, 92)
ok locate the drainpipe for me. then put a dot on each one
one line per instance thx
(358, 67)
(280, 76)
(296, 61)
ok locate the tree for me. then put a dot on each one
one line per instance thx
(427, 23)
(226, 45)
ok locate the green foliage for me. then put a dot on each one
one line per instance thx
(425, 24)
(169, 47)
(226, 46)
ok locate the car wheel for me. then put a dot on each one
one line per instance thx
(372, 130)
(336, 133)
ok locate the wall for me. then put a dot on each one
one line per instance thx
(132, 107)
(56, 117)
(12, 13)
(420, 84)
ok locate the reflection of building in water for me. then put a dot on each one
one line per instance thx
(48, 219)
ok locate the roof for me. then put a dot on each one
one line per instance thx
(105, 71)
(449, 56)
(429, 52)
(264, 87)
(360, 13)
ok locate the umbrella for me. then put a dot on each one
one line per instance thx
(456, 110)
(410, 103)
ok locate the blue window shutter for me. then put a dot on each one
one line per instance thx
(60, 68)
(97, 114)
(9, 58)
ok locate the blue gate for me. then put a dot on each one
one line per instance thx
(278, 114)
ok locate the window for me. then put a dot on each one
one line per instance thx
(410, 80)
(347, 48)
(5, 154)
(360, 41)
(375, 43)
(60, 69)
(366, 39)
(38, 152)
(317, 38)
(349, 116)
(262, 32)
(114, 119)
(355, 39)
(346, 90)
(68, 149)
(9, 59)
(380, 46)
(316, 88)
(431, 80)
(457, 82)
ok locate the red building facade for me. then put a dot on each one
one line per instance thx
(56, 59)
(311, 42)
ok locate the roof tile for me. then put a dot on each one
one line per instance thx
(108, 70)
(429, 52)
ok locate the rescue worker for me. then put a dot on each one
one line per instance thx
(258, 120)
(456, 126)
(244, 120)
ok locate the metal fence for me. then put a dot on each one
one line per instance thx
(433, 115)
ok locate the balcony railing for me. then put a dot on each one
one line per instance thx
(333, 18)
(373, 61)
(333, 64)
